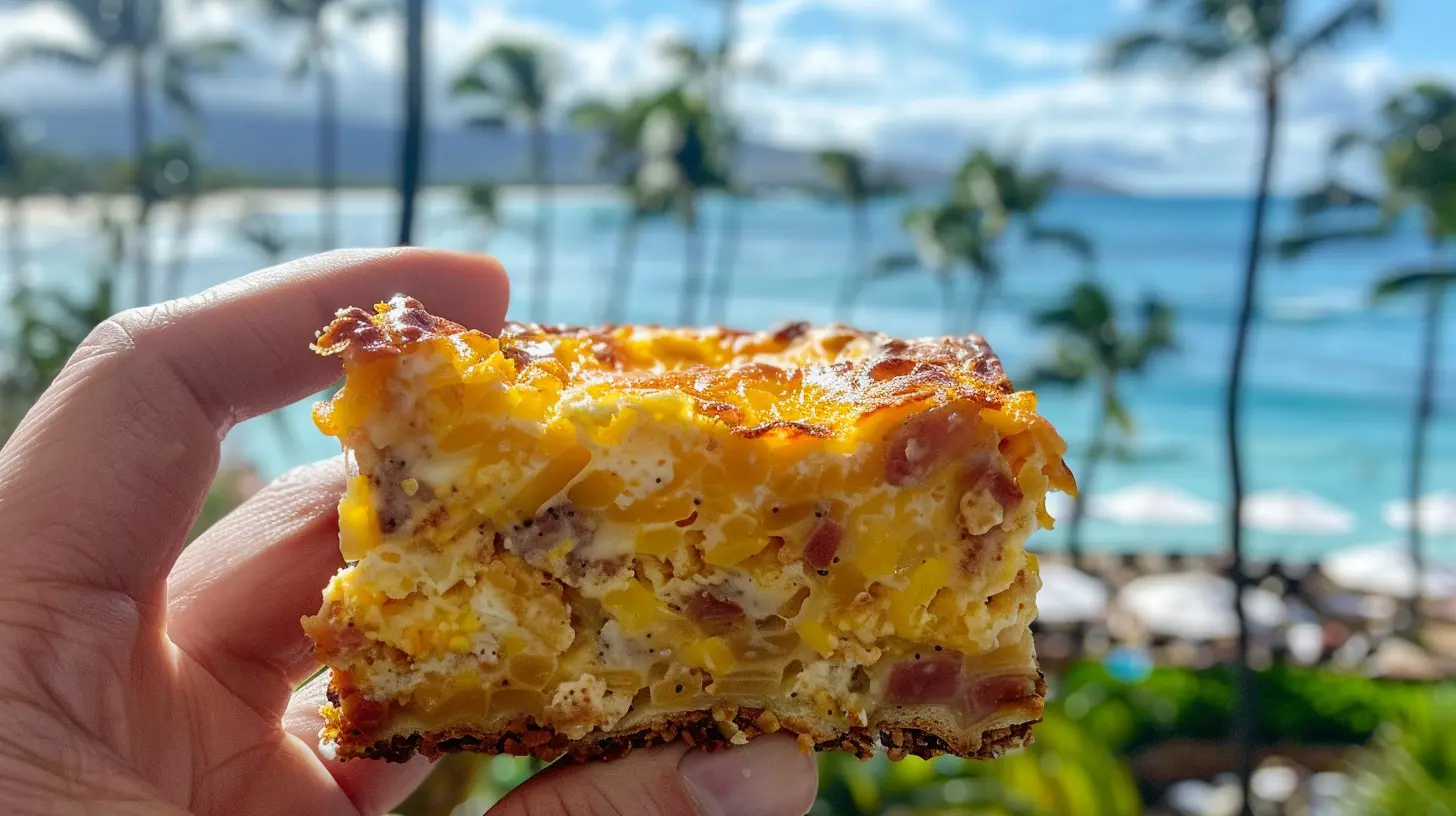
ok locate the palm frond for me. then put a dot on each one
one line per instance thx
(364, 11)
(1296, 245)
(1118, 414)
(1402, 281)
(1073, 240)
(54, 53)
(1167, 47)
(1338, 25)
(480, 201)
(1333, 195)
(895, 264)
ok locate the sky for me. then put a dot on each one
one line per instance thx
(920, 81)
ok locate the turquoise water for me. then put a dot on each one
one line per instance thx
(1331, 381)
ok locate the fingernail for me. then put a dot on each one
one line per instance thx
(769, 776)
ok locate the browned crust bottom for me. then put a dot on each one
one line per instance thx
(713, 730)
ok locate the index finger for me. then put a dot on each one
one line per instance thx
(104, 477)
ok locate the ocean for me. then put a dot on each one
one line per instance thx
(1331, 380)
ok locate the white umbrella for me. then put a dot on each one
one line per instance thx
(1069, 595)
(1152, 504)
(1437, 512)
(1295, 511)
(1386, 569)
(1196, 605)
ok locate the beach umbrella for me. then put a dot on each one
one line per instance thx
(1152, 504)
(1437, 512)
(1069, 595)
(1386, 569)
(1196, 605)
(1296, 511)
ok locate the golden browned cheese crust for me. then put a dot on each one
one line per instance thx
(565, 541)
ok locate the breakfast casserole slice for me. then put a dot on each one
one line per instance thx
(576, 541)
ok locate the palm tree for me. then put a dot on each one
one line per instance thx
(1415, 149)
(176, 166)
(949, 238)
(1215, 33)
(412, 141)
(1092, 348)
(848, 181)
(620, 155)
(315, 57)
(132, 31)
(514, 82)
(721, 289)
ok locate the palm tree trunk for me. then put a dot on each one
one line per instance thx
(722, 289)
(687, 310)
(540, 162)
(141, 138)
(15, 241)
(1088, 474)
(1420, 425)
(1245, 701)
(181, 245)
(412, 141)
(621, 281)
(328, 147)
(854, 276)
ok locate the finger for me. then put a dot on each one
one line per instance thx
(373, 785)
(236, 593)
(126, 439)
(769, 776)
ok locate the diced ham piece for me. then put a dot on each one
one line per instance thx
(925, 442)
(823, 543)
(709, 608)
(928, 679)
(990, 693)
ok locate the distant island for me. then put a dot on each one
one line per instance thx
(251, 148)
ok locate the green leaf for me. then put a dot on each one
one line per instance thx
(52, 52)
(1338, 25)
(1295, 246)
(1406, 280)
(1074, 241)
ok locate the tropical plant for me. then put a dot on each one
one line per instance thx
(1067, 771)
(133, 32)
(620, 155)
(949, 238)
(177, 163)
(1203, 35)
(849, 181)
(1410, 767)
(1092, 347)
(316, 57)
(480, 205)
(1415, 149)
(514, 82)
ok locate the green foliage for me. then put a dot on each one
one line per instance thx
(455, 779)
(1067, 771)
(849, 180)
(1296, 705)
(1411, 766)
(510, 80)
(1205, 33)
(45, 328)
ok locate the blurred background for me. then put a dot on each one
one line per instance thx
(1215, 235)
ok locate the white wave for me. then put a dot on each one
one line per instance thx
(1321, 305)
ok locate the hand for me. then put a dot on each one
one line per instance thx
(139, 677)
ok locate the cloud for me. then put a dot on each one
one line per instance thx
(1031, 51)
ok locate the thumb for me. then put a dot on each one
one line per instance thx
(769, 776)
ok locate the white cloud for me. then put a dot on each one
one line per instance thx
(1031, 51)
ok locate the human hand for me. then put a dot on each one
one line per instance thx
(139, 677)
